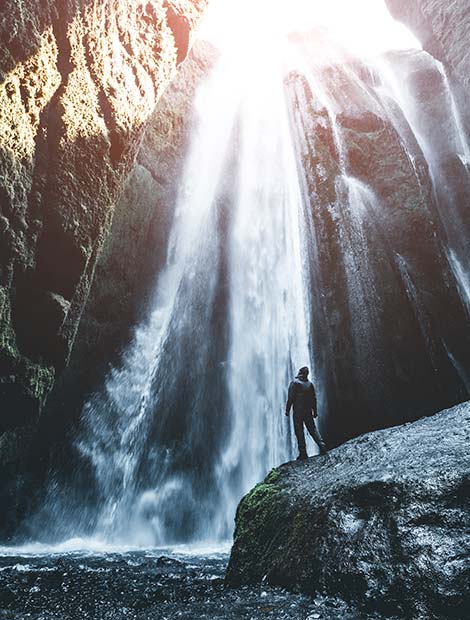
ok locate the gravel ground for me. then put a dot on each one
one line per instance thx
(144, 585)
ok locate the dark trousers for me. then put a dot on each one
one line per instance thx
(301, 418)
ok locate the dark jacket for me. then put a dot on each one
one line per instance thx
(301, 396)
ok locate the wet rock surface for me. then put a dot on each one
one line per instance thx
(444, 30)
(382, 286)
(382, 521)
(144, 586)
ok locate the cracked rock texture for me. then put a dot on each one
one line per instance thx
(383, 521)
(78, 82)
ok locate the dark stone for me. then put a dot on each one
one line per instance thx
(141, 586)
(383, 522)
(382, 287)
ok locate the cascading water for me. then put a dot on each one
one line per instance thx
(194, 416)
(291, 235)
(447, 151)
(269, 312)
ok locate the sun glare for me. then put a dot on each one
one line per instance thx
(364, 27)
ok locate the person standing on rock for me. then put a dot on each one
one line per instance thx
(303, 398)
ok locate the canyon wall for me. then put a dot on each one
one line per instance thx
(78, 83)
(79, 80)
(389, 325)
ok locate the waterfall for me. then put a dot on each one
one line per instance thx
(193, 417)
(319, 222)
(447, 150)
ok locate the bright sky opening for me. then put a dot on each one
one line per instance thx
(362, 26)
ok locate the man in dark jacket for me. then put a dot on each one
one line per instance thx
(302, 396)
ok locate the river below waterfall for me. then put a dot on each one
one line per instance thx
(145, 584)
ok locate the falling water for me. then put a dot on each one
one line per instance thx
(269, 313)
(194, 415)
(447, 150)
(255, 281)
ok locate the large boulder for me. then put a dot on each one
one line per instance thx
(382, 521)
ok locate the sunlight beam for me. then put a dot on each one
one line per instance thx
(364, 27)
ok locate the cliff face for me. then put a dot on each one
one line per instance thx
(79, 80)
(123, 283)
(382, 522)
(135, 249)
(387, 307)
(443, 29)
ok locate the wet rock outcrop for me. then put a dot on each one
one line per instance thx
(383, 521)
(383, 290)
(79, 80)
(444, 30)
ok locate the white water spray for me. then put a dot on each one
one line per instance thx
(193, 417)
(241, 168)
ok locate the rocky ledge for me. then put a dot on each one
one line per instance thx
(383, 521)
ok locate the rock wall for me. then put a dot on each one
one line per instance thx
(444, 30)
(386, 305)
(78, 83)
(79, 80)
(383, 522)
(134, 250)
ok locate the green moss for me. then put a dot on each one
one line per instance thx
(259, 512)
(273, 476)
(259, 530)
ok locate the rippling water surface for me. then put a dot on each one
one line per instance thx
(105, 583)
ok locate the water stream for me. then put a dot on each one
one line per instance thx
(193, 417)
(286, 250)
